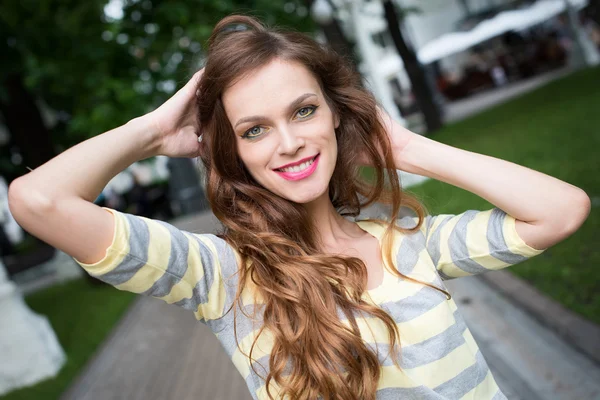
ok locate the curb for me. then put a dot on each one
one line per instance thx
(577, 331)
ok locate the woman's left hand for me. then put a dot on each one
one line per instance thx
(399, 138)
(399, 135)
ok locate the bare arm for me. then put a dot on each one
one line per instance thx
(55, 201)
(547, 209)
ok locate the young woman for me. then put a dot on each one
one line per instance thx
(306, 300)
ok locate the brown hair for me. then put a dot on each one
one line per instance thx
(302, 287)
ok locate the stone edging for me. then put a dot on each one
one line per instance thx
(582, 334)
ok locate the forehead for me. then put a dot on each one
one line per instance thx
(269, 89)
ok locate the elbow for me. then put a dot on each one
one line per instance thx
(565, 222)
(23, 200)
(577, 214)
(15, 195)
(584, 208)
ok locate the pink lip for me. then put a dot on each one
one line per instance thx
(295, 163)
(295, 176)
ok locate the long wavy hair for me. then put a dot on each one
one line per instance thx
(302, 288)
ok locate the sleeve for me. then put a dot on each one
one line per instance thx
(154, 258)
(474, 242)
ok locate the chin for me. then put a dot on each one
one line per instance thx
(300, 193)
(304, 197)
(305, 192)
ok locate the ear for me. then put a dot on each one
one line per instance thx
(336, 120)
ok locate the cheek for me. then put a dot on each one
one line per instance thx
(255, 158)
(250, 163)
(330, 139)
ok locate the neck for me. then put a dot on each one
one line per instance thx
(333, 230)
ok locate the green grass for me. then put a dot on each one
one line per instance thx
(554, 130)
(82, 315)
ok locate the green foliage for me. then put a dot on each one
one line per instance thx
(553, 130)
(96, 73)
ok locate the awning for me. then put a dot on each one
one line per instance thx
(513, 20)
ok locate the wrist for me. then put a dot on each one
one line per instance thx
(145, 130)
(401, 139)
(406, 154)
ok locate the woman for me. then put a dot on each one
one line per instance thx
(307, 302)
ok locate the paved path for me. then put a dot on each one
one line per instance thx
(528, 360)
(159, 351)
(464, 108)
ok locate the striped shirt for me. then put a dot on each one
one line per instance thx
(438, 356)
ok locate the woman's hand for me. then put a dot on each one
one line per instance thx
(399, 135)
(399, 138)
(175, 124)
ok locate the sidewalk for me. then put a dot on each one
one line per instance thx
(159, 351)
(528, 360)
(458, 110)
(464, 108)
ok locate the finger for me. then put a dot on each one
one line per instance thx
(197, 77)
(195, 80)
(190, 88)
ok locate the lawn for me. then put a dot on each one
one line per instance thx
(82, 315)
(554, 130)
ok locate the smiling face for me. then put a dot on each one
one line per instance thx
(284, 130)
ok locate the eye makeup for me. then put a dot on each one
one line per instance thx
(249, 135)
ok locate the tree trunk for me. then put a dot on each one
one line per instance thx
(336, 39)
(24, 122)
(421, 88)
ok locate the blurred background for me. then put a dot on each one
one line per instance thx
(517, 80)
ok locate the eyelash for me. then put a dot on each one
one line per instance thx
(313, 108)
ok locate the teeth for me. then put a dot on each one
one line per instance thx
(297, 168)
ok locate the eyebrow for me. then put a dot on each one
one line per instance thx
(290, 108)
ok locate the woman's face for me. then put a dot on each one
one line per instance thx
(284, 130)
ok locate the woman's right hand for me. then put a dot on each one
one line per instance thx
(177, 130)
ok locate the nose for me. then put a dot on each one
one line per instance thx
(289, 141)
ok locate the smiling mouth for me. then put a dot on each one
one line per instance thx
(298, 168)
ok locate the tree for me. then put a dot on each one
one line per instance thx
(421, 88)
(94, 72)
(53, 51)
(334, 34)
